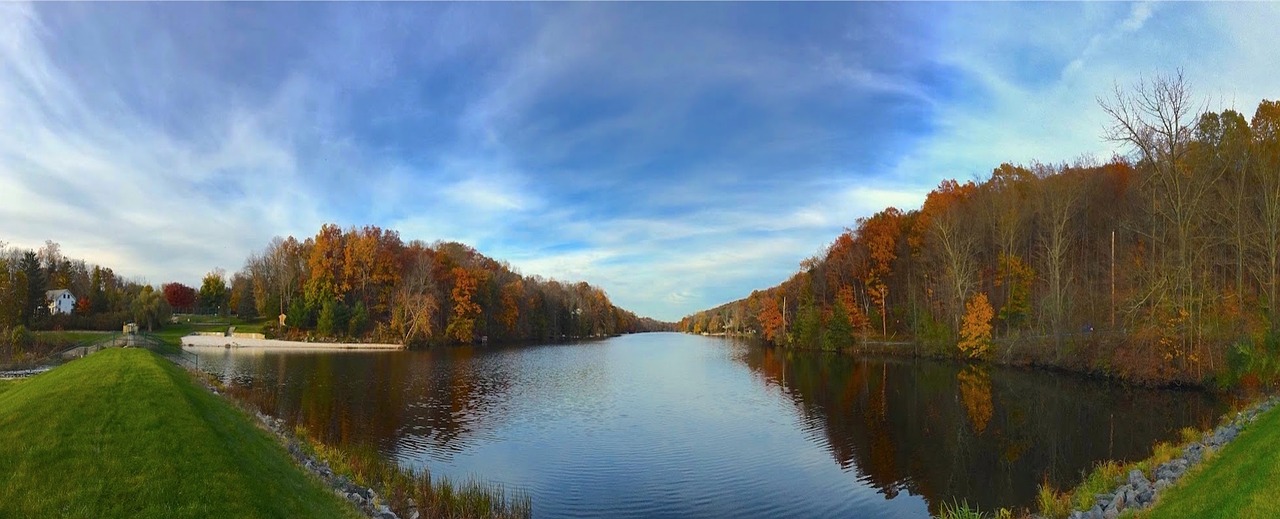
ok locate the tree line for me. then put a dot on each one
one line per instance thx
(104, 300)
(367, 283)
(1162, 265)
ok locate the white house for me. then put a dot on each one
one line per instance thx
(60, 301)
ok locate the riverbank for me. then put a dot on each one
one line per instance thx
(124, 432)
(239, 342)
(1104, 356)
(1239, 480)
(1224, 472)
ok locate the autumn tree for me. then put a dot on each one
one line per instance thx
(325, 280)
(880, 234)
(857, 318)
(771, 320)
(462, 322)
(181, 298)
(975, 334)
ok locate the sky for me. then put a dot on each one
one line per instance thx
(676, 155)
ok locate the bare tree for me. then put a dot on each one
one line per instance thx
(1155, 118)
(956, 247)
(1055, 243)
(415, 300)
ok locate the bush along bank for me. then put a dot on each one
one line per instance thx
(1142, 485)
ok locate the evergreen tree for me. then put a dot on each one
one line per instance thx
(33, 299)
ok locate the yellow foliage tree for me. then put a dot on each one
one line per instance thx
(975, 331)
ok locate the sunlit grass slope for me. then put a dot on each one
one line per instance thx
(1239, 481)
(124, 433)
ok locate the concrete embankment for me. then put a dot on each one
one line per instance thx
(199, 341)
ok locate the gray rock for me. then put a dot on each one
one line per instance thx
(1193, 453)
(1146, 497)
(1162, 484)
(1096, 512)
(1223, 435)
(1137, 479)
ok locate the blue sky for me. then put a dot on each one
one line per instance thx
(676, 155)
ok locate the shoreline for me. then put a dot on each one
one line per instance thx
(202, 341)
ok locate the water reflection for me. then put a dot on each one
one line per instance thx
(668, 425)
(434, 399)
(962, 432)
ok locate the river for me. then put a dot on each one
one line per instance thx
(672, 425)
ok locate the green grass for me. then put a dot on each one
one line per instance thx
(208, 323)
(961, 510)
(1238, 481)
(171, 334)
(124, 433)
(6, 385)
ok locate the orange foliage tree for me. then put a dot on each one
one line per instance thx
(770, 319)
(463, 321)
(975, 333)
(880, 234)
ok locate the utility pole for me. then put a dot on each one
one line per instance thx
(1113, 280)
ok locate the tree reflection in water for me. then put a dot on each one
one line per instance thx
(949, 431)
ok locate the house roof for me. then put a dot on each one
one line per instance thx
(54, 294)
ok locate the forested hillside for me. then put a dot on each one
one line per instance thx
(368, 283)
(1162, 266)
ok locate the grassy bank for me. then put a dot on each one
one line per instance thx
(1240, 480)
(124, 433)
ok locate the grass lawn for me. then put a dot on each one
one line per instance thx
(172, 334)
(1238, 481)
(6, 385)
(124, 433)
(210, 323)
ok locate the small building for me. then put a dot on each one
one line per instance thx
(60, 301)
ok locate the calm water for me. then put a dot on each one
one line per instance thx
(674, 425)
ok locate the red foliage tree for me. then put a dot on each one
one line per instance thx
(180, 297)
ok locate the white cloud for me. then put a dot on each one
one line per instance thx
(1138, 15)
(117, 189)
